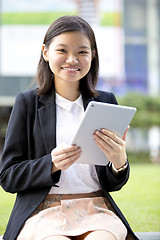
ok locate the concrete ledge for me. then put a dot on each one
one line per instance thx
(148, 235)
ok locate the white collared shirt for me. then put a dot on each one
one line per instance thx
(79, 178)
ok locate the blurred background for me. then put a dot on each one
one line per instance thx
(128, 38)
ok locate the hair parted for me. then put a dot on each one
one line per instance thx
(45, 77)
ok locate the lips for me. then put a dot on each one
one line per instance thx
(70, 69)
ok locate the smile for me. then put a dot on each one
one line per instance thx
(71, 69)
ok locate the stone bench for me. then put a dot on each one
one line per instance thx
(148, 235)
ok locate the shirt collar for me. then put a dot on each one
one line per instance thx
(66, 104)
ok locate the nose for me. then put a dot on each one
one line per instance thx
(72, 60)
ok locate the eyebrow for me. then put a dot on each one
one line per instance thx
(63, 45)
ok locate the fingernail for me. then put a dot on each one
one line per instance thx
(74, 146)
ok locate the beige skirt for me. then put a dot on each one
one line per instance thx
(72, 215)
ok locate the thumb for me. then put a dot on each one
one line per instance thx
(125, 134)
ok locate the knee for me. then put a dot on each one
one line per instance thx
(100, 234)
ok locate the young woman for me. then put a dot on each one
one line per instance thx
(58, 198)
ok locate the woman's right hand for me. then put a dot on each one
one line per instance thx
(64, 156)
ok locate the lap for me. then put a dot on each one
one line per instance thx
(94, 235)
(58, 238)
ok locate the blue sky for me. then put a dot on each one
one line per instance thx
(46, 5)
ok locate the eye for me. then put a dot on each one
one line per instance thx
(83, 52)
(61, 50)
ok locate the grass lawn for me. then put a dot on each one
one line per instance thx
(139, 199)
(6, 204)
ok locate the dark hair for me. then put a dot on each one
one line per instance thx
(45, 77)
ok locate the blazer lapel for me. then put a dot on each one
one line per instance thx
(86, 101)
(47, 118)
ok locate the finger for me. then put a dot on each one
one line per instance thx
(111, 141)
(72, 159)
(63, 149)
(105, 150)
(63, 165)
(64, 155)
(111, 135)
(105, 143)
(125, 134)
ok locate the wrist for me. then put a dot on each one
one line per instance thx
(54, 168)
(121, 169)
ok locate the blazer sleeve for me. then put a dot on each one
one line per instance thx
(17, 171)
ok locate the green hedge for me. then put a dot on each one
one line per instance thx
(111, 19)
(46, 18)
(148, 109)
(139, 157)
(35, 18)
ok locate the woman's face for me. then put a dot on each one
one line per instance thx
(69, 56)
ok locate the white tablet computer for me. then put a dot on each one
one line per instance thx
(99, 115)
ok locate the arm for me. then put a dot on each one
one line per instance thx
(109, 181)
(19, 169)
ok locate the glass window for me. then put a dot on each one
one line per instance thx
(136, 66)
(135, 23)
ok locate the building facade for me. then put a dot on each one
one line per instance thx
(142, 45)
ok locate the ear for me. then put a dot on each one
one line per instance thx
(45, 52)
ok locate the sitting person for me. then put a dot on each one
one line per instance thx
(57, 198)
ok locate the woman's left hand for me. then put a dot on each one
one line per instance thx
(113, 146)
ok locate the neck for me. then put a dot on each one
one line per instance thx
(69, 91)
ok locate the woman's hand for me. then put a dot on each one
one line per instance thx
(112, 145)
(64, 156)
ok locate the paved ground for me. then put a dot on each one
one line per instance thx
(148, 235)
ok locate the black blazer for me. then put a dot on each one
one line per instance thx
(26, 163)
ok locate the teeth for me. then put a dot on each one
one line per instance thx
(71, 69)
